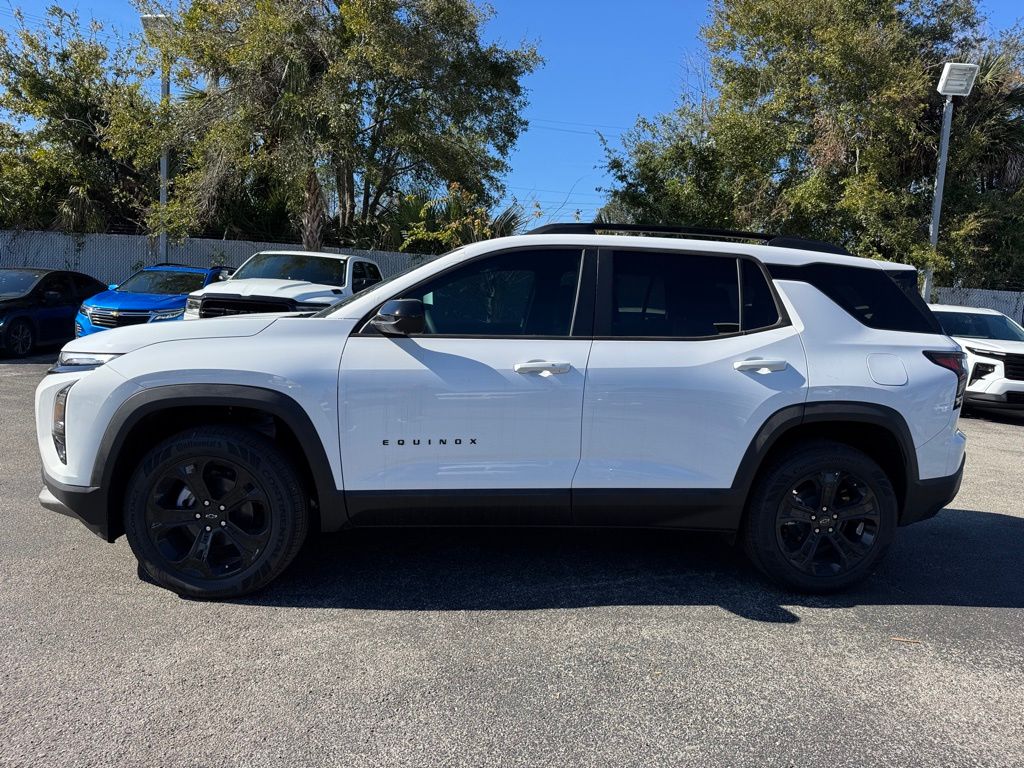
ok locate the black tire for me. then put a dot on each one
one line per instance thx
(800, 538)
(20, 339)
(215, 550)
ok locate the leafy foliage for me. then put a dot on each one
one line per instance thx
(355, 102)
(824, 122)
(58, 86)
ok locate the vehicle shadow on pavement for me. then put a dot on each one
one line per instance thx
(961, 558)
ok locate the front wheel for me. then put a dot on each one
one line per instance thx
(20, 338)
(820, 518)
(215, 512)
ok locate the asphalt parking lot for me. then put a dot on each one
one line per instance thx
(524, 648)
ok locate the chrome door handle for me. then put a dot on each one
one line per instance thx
(760, 366)
(541, 366)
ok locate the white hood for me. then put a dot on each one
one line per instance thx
(278, 289)
(993, 345)
(121, 340)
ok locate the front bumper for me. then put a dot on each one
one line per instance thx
(87, 504)
(1009, 400)
(926, 497)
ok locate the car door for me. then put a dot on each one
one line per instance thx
(692, 353)
(477, 419)
(55, 316)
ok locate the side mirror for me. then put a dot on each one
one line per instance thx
(112, 287)
(400, 317)
(226, 272)
(51, 297)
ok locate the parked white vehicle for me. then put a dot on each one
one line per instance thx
(284, 281)
(803, 399)
(995, 354)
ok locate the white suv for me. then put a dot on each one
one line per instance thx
(995, 354)
(802, 398)
(283, 281)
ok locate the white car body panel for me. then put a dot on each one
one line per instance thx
(677, 414)
(410, 407)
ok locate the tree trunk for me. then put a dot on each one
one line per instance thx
(313, 213)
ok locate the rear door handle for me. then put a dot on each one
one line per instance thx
(541, 366)
(760, 366)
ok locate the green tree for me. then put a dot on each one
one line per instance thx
(59, 84)
(337, 106)
(823, 121)
(458, 218)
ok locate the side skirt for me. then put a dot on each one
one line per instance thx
(716, 510)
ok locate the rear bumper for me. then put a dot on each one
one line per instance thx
(87, 504)
(926, 497)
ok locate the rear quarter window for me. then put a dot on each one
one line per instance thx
(870, 295)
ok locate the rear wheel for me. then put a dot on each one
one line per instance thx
(215, 512)
(821, 518)
(20, 338)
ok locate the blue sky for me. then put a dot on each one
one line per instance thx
(606, 64)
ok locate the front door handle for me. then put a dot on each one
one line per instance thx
(541, 366)
(760, 366)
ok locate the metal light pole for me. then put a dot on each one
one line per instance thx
(155, 26)
(956, 80)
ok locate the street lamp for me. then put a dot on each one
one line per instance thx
(157, 26)
(956, 80)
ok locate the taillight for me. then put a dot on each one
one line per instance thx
(957, 363)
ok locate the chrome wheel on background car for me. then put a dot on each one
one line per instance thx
(821, 517)
(215, 511)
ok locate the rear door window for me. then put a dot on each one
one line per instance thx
(686, 296)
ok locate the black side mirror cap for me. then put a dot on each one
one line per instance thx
(400, 317)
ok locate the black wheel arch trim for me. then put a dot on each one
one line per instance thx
(791, 417)
(331, 500)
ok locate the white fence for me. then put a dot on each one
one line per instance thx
(1008, 302)
(112, 258)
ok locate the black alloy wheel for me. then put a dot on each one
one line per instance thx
(828, 523)
(208, 517)
(215, 511)
(820, 517)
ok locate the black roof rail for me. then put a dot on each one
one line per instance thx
(592, 228)
(168, 264)
(779, 241)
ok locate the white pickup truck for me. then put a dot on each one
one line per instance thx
(284, 281)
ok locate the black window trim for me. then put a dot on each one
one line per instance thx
(605, 293)
(583, 311)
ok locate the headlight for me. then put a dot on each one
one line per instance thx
(192, 306)
(60, 404)
(986, 353)
(87, 311)
(80, 361)
(170, 314)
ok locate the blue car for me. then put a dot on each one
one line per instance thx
(155, 294)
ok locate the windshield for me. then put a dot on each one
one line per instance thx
(294, 266)
(974, 325)
(15, 282)
(163, 281)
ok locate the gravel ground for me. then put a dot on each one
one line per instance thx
(524, 648)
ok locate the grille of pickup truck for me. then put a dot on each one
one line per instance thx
(219, 306)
